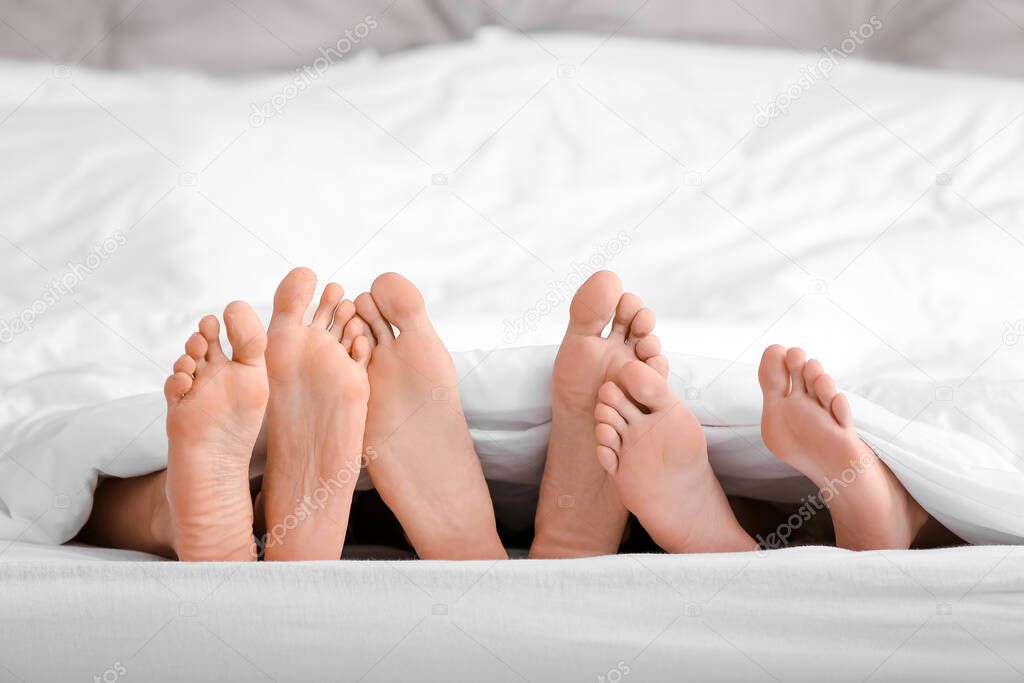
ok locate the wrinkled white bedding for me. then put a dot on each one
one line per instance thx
(803, 614)
(877, 232)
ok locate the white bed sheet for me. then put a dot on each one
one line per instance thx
(806, 614)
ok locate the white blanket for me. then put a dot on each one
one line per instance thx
(875, 222)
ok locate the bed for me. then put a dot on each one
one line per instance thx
(883, 235)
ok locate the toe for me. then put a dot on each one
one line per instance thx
(647, 347)
(610, 394)
(842, 411)
(399, 301)
(354, 329)
(185, 364)
(209, 327)
(367, 309)
(795, 359)
(825, 389)
(328, 303)
(642, 325)
(607, 459)
(594, 303)
(773, 374)
(196, 347)
(812, 371)
(645, 386)
(361, 350)
(293, 296)
(629, 305)
(660, 364)
(245, 333)
(343, 315)
(176, 386)
(607, 436)
(608, 415)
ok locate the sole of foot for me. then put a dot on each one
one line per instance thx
(579, 513)
(654, 451)
(420, 455)
(318, 399)
(215, 406)
(807, 424)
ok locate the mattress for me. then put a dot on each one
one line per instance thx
(806, 614)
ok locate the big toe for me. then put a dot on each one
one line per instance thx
(645, 385)
(399, 301)
(594, 303)
(293, 296)
(245, 332)
(773, 374)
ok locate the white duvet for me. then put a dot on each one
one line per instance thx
(877, 223)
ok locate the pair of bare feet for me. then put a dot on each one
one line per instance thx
(339, 393)
(610, 398)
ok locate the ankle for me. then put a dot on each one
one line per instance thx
(160, 527)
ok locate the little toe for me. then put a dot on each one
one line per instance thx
(646, 386)
(795, 359)
(343, 315)
(293, 296)
(628, 307)
(825, 390)
(608, 460)
(367, 309)
(399, 301)
(647, 347)
(245, 333)
(185, 364)
(607, 436)
(328, 303)
(361, 350)
(176, 386)
(354, 329)
(610, 394)
(209, 327)
(608, 415)
(594, 303)
(642, 325)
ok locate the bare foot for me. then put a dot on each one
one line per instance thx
(808, 424)
(579, 513)
(423, 462)
(653, 449)
(215, 408)
(315, 420)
